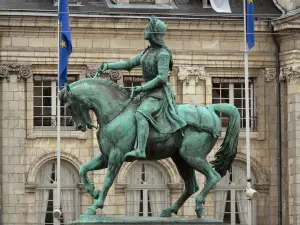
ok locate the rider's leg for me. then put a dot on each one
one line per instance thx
(141, 140)
(149, 106)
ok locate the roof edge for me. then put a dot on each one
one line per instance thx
(131, 15)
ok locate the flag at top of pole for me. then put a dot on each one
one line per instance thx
(250, 23)
(65, 43)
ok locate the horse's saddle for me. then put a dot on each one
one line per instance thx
(200, 117)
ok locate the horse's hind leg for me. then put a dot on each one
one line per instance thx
(188, 175)
(196, 146)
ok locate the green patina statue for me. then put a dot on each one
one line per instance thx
(150, 126)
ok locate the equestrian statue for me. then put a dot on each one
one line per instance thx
(147, 124)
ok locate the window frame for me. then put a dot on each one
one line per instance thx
(53, 187)
(157, 5)
(53, 97)
(148, 187)
(233, 188)
(231, 98)
(135, 81)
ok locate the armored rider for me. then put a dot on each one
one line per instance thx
(157, 104)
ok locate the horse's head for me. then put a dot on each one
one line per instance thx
(79, 108)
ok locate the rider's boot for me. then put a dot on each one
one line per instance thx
(141, 139)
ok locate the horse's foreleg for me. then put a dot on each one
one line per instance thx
(96, 163)
(187, 173)
(116, 159)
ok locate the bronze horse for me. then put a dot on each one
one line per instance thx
(187, 147)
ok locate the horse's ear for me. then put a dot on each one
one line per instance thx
(68, 96)
(68, 89)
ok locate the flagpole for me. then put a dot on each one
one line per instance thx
(248, 152)
(58, 120)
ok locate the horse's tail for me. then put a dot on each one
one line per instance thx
(227, 152)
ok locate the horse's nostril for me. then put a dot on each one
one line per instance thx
(79, 127)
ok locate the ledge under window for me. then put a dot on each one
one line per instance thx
(253, 135)
(53, 133)
(142, 4)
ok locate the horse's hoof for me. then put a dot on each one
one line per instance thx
(200, 212)
(90, 211)
(166, 213)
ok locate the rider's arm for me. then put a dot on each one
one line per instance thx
(163, 61)
(126, 64)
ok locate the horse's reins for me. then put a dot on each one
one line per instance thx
(110, 115)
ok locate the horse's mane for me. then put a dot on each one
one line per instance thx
(105, 82)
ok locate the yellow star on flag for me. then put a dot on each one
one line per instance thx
(63, 43)
(249, 1)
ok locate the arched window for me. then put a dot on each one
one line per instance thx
(230, 197)
(147, 191)
(46, 193)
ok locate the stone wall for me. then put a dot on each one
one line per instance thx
(212, 49)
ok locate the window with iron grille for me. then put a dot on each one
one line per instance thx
(45, 103)
(232, 90)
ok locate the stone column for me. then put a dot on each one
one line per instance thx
(12, 111)
(292, 76)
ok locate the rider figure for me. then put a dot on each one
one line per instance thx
(157, 100)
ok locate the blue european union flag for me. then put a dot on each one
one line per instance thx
(65, 45)
(250, 23)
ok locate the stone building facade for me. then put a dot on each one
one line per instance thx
(209, 68)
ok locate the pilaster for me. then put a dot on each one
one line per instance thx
(12, 140)
(292, 77)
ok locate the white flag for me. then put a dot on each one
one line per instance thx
(221, 6)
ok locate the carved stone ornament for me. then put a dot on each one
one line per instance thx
(270, 74)
(24, 71)
(91, 72)
(4, 72)
(185, 72)
(292, 74)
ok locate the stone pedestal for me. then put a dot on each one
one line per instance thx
(122, 220)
